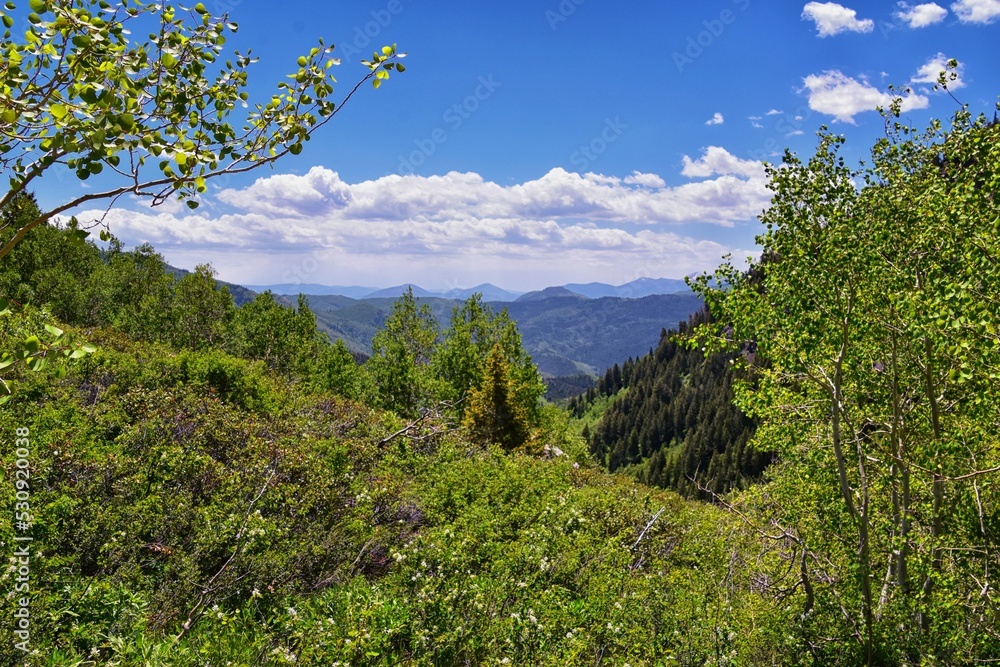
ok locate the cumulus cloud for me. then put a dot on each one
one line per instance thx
(921, 16)
(774, 112)
(559, 194)
(717, 119)
(931, 70)
(717, 161)
(560, 220)
(842, 97)
(977, 11)
(645, 180)
(832, 19)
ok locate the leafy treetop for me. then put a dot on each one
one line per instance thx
(77, 93)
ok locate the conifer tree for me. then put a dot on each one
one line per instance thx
(496, 412)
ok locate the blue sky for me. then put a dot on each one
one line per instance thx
(539, 143)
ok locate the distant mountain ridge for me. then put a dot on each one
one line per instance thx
(636, 289)
(550, 293)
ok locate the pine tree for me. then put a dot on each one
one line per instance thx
(496, 412)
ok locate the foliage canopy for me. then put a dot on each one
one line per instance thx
(78, 93)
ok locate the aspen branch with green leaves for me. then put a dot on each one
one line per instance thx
(77, 93)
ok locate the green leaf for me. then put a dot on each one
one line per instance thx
(58, 111)
(191, 204)
(39, 6)
(55, 331)
(32, 344)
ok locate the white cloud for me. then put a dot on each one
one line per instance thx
(559, 194)
(832, 19)
(410, 226)
(921, 16)
(929, 72)
(717, 119)
(842, 97)
(645, 180)
(774, 112)
(977, 11)
(717, 161)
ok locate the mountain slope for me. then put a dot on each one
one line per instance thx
(671, 421)
(594, 334)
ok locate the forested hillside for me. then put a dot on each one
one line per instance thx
(671, 422)
(191, 508)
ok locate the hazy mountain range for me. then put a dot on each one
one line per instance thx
(636, 289)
